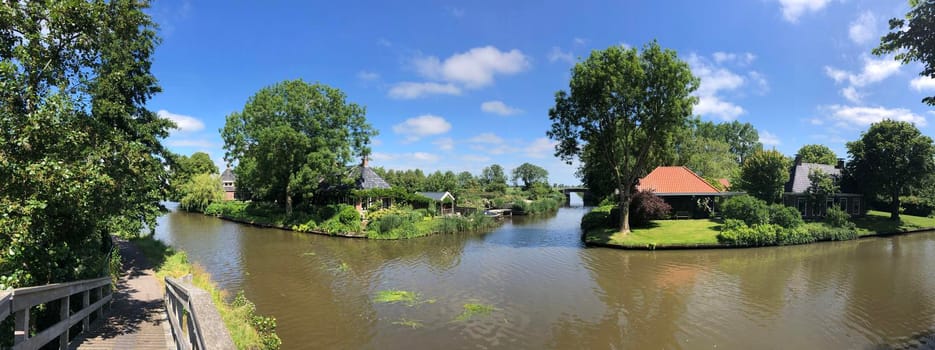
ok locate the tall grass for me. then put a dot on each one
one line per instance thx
(248, 330)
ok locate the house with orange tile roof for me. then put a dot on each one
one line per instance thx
(689, 195)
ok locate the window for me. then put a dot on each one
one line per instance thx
(842, 203)
(856, 210)
(802, 206)
(228, 183)
(828, 204)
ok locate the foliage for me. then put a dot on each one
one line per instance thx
(183, 168)
(597, 218)
(752, 211)
(892, 158)
(765, 235)
(913, 39)
(80, 154)
(530, 174)
(824, 232)
(708, 158)
(200, 191)
(645, 207)
(786, 217)
(620, 116)
(819, 154)
(248, 330)
(493, 179)
(837, 217)
(475, 309)
(715, 151)
(742, 138)
(764, 174)
(397, 296)
(917, 206)
(821, 187)
(292, 136)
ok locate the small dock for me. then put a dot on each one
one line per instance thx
(498, 213)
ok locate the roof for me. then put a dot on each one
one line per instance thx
(674, 180)
(724, 182)
(367, 179)
(437, 196)
(798, 179)
(228, 176)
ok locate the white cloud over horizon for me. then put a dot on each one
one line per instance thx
(863, 29)
(498, 107)
(793, 9)
(922, 84)
(408, 90)
(182, 122)
(474, 68)
(716, 79)
(424, 125)
(855, 116)
(769, 139)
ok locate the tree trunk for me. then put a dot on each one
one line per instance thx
(288, 200)
(894, 208)
(624, 213)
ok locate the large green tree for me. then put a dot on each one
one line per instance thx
(704, 152)
(820, 154)
(530, 174)
(183, 168)
(890, 159)
(80, 154)
(912, 39)
(200, 191)
(292, 136)
(763, 175)
(742, 138)
(621, 114)
(493, 179)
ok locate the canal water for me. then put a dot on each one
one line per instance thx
(547, 291)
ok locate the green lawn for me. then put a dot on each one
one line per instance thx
(662, 232)
(879, 222)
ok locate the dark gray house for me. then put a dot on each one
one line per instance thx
(366, 179)
(229, 182)
(796, 191)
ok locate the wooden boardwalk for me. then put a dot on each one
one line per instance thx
(137, 319)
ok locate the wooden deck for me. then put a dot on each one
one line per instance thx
(137, 319)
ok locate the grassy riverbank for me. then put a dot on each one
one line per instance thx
(704, 232)
(248, 330)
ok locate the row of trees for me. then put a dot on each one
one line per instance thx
(491, 179)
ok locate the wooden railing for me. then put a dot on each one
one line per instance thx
(196, 323)
(18, 302)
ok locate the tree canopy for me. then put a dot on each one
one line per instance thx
(764, 174)
(292, 136)
(620, 116)
(912, 39)
(200, 191)
(742, 138)
(530, 174)
(80, 154)
(890, 159)
(183, 168)
(820, 154)
(493, 179)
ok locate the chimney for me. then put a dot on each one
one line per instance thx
(840, 164)
(363, 163)
(798, 159)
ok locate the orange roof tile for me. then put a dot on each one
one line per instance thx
(724, 182)
(674, 179)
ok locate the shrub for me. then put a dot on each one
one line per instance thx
(836, 217)
(598, 217)
(645, 207)
(784, 216)
(753, 236)
(745, 208)
(916, 206)
(823, 232)
(732, 224)
(390, 222)
(793, 235)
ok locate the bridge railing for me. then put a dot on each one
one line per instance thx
(196, 323)
(20, 301)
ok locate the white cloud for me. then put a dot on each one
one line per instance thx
(714, 106)
(475, 68)
(580, 41)
(191, 143)
(498, 107)
(424, 157)
(475, 158)
(850, 116)
(793, 9)
(382, 157)
(730, 57)
(421, 126)
(487, 138)
(558, 55)
(922, 83)
(851, 94)
(410, 90)
(874, 70)
(769, 139)
(715, 80)
(183, 123)
(541, 148)
(864, 28)
(367, 75)
(445, 143)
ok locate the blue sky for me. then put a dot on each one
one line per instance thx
(462, 85)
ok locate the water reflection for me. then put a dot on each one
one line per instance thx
(550, 292)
